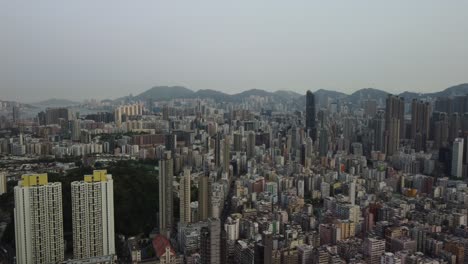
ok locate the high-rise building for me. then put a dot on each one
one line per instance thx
(440, 132)
(394, 123)
(170, 142)
(454, 126)
(374, 248)
(305, 254)
(457, 157)
(127, 110)
(166, 175)
(204, 198)
(267, 240)
(217, 150)
(420, 121)
(185, 211)
(93, 215)
(370, 107)
(210, 242)
(15, 114)
(226, 153)
(323, 142)
(54, 115)
(76, 129)
(311, 125)
(378, 125)
(38, 220)
(352, 192)
(3, 183)
(250, 145)
(237, 142)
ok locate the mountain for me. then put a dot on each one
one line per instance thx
(215, 95)
(287, 94)
(367, 93)
(461, 89)
(54, 102)
(323, 94)
(252, 92)
(160, 93)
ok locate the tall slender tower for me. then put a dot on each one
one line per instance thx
(38, 220)
(394, 123)
(210, 242)
(3, 183)
(250, 145)
(378, 125)
(204, 198)
(185, 212)
(457, 158)
(420, 118)
(226, 153)
(217, 150)
(93, 215)
(311, 126)
(166, 175)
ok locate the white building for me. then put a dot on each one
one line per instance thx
(38, 220)
(93, 215)
(457, 157)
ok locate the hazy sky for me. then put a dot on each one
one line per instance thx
(107, 49)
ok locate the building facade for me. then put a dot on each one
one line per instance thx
(93, 215)
(38, 220)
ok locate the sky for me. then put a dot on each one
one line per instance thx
(107, 49)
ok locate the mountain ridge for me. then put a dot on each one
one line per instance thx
(162, 93)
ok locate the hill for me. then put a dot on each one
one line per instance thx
(215, 95)
(55, 102)
(160, 93)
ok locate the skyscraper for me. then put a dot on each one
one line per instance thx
(378, 125)
(454, 126)
(420, 121)
(237, 142)
(54, 115)
(166, 175)
(457, 158)
(76, 129)
(323, 142)
(352, 192)
(185, 212)
(15, 114)
(311, 126)
(394, 123)
(93, 215)
(38, 220)
(217, 150)
(204, 198)
(210, 242)
(3, 183)
(251, 145)
(226, 153)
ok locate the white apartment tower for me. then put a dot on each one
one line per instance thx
(93, 215)
(38, 220)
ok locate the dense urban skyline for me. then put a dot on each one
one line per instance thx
(234, 133)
